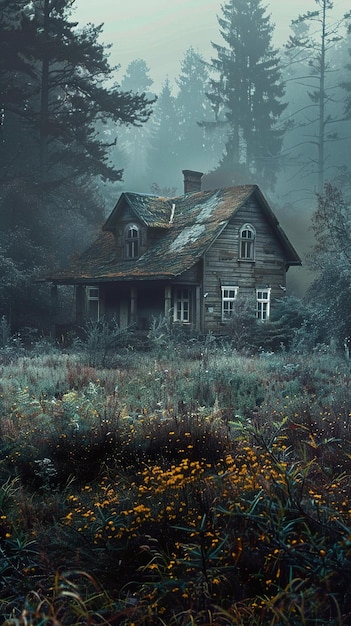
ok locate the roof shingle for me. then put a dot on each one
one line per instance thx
(190, 224)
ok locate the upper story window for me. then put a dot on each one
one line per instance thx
(229, 295)
(247, 238)
(263, 303)
(132, 241)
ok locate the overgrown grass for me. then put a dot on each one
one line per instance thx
(184, 486)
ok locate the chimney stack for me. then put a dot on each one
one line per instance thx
(192, 181)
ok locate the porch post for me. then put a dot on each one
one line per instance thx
(133, 304)
(197, 309)
(168, 301)
(80, 304)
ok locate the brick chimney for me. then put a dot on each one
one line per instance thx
(192, 181)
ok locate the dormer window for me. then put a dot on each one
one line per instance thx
(132, 241)
(247, 238)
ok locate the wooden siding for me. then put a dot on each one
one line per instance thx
(222, 265)
(192, 276)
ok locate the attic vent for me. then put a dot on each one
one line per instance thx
(172, 214)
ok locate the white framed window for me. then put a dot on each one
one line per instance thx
(132, 241)
(247, 236)
(181, 306)
(229, 295)
(93, 303)
(263, 303)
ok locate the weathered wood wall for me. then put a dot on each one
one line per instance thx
(222, 265)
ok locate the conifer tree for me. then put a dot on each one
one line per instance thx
(199, 148)
(65, 70)
(134, 140)
(163, 159)
(330, 258)
(54, 100)
(247, 91)
(313, 45)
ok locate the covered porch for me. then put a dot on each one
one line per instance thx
(138, 304)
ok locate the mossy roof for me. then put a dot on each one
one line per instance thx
(187, 225)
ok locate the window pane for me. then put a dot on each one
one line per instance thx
(263, 303)
(132, 249)
(132, 238)
(247, 241)
(228, 299)
(246, 249)
(133, 233)
(182, 305)
(93, 304)
(93, 310)
(93, 293)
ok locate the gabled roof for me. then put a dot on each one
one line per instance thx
(153, 211)
(190, 223)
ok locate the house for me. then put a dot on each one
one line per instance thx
(188, 257)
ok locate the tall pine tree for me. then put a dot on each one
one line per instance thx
(54, 100)
(163, 160)
(66, 71)
(134, 140)
(246, 93)
(199, 148)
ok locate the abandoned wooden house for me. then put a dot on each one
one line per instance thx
(188, 257)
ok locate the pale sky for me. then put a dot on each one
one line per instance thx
(160, 31)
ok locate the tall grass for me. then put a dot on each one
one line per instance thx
(195, 487)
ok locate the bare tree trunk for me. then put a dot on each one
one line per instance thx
(321, 134)
(44, 102)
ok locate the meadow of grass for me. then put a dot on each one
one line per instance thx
(188, 485)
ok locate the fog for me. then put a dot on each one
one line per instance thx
(255, 120)
(160, 31)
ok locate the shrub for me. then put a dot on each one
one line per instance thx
(5, 332)
(214, 490)
(101, 341)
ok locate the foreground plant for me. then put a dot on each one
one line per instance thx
(209, 516)
(74, 598)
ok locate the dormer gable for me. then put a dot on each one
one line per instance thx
(137, 221)
(151, 211)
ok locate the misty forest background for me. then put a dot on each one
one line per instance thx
(75, 132)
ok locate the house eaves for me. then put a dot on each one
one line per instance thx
(198, 219)
(292, 256)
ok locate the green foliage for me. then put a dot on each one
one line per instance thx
(164, 139)
(242, 325)
(5, 332)
(55, 104)
(330, 259)
(73, 597)
(102, 340)
(142, 496)
(197, 144)
(247, 91)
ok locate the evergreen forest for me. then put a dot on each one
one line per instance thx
(75, 132)
(165, 478)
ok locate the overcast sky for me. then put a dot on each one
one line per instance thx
(160, 31)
